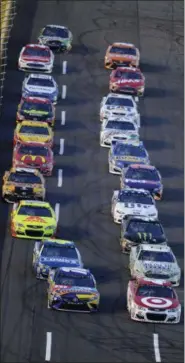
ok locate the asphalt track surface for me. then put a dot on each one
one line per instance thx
(109, 336)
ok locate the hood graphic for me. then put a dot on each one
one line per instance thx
(33, 220)
(59, 262)
(156, 302)
(36, 159)
(39, 89)
(129, 82)
(143, 184)
(158, 267)
(75, 290)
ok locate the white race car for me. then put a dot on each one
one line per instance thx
(154, 260)
(40, 85)
(119, 105)
(117, 128)
(129, 202)
(35, 57)
(153, 301)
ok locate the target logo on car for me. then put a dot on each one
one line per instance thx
(155, 302)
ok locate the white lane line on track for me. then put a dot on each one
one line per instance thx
(48, 346)
(61, 151)
(63, 117)
(156, 347)
(60, 177)
(57, 211)
(64, 67)
(64, 91)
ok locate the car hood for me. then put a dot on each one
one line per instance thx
(40, 221)
(142, 184)
(54, 39)
(39, 89)
(122, 57)
(119, 108)
(59, 262)
(157, 267)
(126, 159)
(156, 302)
(129, 82)
(110, 133)
(35, 59)
(136, 209)
(31, 159)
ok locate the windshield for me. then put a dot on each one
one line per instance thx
(25, 178)
(128, 75)
(36, 52)
(123, 51)
(130, 150)
(35, 211)
(139, 227)
(116, 101)
(118, 125)
(135, 198)
(55, 32)
(85, 281)
(59, 251)
(40, 82)
(36, 107)
(142, 174)
(156, 256)
(33, 150)
(156, 291)
(37, 130)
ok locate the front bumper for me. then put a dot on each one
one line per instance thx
(31, 232)
(69, 305)
(152, 316)
(47, 171)
(35, 66)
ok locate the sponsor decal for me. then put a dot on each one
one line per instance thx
(157, 266)
(154, 302)
(34, 219)
(33, 157)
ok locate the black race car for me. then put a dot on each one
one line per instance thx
(138, 229)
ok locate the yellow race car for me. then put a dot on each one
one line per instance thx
(20, 183)
(34, 132)
(33, 220)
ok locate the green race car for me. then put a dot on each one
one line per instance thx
(57, 37)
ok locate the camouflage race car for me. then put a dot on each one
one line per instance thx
(36, 109)
(33, 220)
(33, 156)
(34, 132)
(23, 184)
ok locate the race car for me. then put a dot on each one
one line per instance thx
(72, 289)
(117, 129)
(35, 57)
(127, 80)
(23, 184)
(36, 109)
(119, 105)
(53, 253)
(33, 132)
(33, 156)
(57, 37)
(153, 301)
(139, 229)
(40, 85)
(147, 260)
(121, 54)
(33, 220)
(123, 153)
(130, 202)
(142, 177)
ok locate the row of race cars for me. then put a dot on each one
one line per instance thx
(153, 266)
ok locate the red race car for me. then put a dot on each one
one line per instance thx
(36, 109)
(127, 80)
(153, 300)
(37, 58)
(34, 156)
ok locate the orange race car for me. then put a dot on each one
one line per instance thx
(121, 54)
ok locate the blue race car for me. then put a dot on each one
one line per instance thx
(54, 253)
(72, 289)
(124, 153)
(40, 85)
(142, 177)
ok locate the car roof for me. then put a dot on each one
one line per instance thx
(151, 282)
(142, 219)
(39, 46)
(76, 270)
(128, 69)
(135, 191)
(55, 26)
(41, 76)
(58, 242)
(125, 118)
(155, 248)
(141, 166)
(36, 100)
(24, 170)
